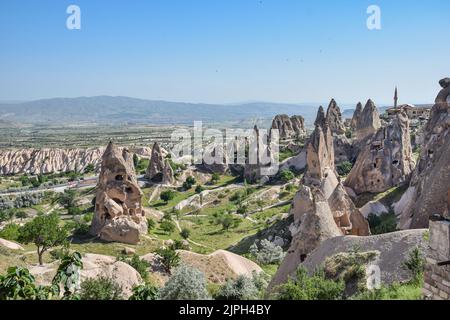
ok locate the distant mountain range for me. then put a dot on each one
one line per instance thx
(120, 110)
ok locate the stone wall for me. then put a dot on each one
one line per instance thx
(437, 278)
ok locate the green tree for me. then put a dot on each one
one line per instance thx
(67, 199)
(287, 175)
(415, 265)
(45, 232)
(344, 168)
(215, 178)
(168, 226)
(185, 233)
(135, 160)
(315, 287)
(21, 215)
(10, 232)
(145, 292)
(226, 222)
(102, 288)
(189, 183)
(151, 224)
(89, 168)
(169, 258)
(167, 195)
(199, 189)
(140, 265)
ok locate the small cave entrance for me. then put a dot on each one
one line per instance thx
(119, 177)
(157, 178)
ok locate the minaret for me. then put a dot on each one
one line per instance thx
(396, 98)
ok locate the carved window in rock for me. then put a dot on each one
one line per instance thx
(119, 177)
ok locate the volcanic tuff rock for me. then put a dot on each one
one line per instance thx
(368, 122)
(289, 128)
(356, 116)
(118, 211)
(156, 166)
(343, 150)
(428, 193)
(43, 161)
(168, 178)
(316, 224)
(319, 151)
(334, 118)
(385, 161)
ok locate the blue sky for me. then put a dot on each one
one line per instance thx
(224, 51)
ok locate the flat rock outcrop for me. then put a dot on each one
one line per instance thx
(368, 122)
(10, 245)
(118, 210)
(394, 249)
(289, 127)
(428, 193)
(385, 161)
(156, 166)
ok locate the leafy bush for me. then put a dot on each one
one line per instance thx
(10, 232)
(199, 189)
(385, 223)
(151, 224)
(215, 178)
(19, 284)
(243, 288)
(185, 233)
(145, 292)
(315, 287)
(286, 175)
(344, 168)
(168, 226)
(137, 263)
(169, 258)
(167, 195)
(416, 265)
(68, 274)
(187, 283)
(267, 252)
(189, 183)
(102, 288)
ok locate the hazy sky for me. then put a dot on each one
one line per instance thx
(224, 51)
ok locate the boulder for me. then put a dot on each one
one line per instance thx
(385, 161)
(10, 245)
(118, 210)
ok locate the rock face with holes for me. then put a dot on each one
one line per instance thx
(368, 122)
(119, 216)
(289, 127)
(429, 188)
(156, 166)
(385, 161)
(342, 146)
